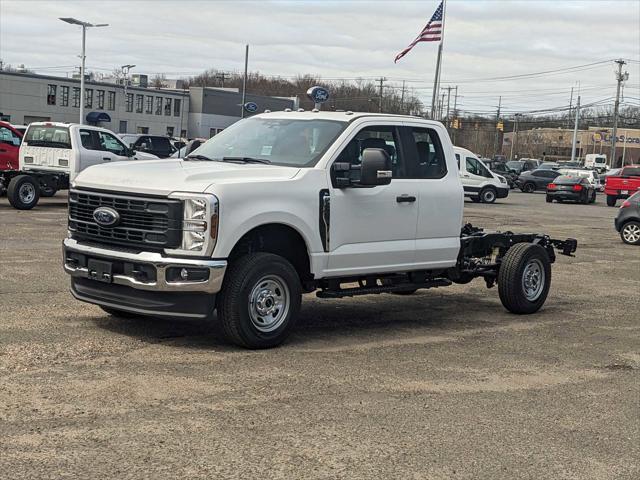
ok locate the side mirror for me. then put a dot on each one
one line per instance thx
(375, 168)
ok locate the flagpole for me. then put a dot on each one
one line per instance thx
(436, 80)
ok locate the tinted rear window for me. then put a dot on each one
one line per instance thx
(566, 179)
(631, 172)
(48, 136)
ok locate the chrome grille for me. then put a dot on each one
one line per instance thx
(144, 221)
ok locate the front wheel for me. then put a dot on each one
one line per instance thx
(528, 188)
(488, 195)
(524, 278)
(260, 300)
(611, 200)
(630, 233)
(23, 192)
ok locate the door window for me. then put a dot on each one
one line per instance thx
(424, 154)
(89, 140)
(384, 137)
(111, 144)
(7, 136)
(474, 167)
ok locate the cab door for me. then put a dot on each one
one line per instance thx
(373, 229)
(112, 147)
(9, 149)
(91, 152)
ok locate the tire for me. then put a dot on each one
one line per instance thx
(23, 192)
(611, 200)
(47, 191)
(532, 261)
(593, 197)
(586, 199)
(256, 282)
(630, 233)
(488, 195)
(549, 199)
(529, 187)
(115, 312)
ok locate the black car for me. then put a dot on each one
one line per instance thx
(156, 144)
(534, 180)
(568, 187)
(628, 220)
(501, 168)
(520, 166)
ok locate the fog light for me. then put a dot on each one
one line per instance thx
(187, 274)
(184, 274)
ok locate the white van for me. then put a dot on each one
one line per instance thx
(596, 161)
(52, 154)
(480, 184)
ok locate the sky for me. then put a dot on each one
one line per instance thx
(484, 39)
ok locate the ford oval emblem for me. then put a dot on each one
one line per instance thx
(106, 216)
(251, 107)
(318, 94)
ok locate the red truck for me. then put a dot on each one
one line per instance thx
(10, 139)
(623, 184)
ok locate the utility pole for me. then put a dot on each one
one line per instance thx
(244, 80)
(575, 132)
(441, 112)
(620, 77)
(402, 98)
(514, 138)
(570, 107)
(497, 139)
(125, 73)
(624, 147)
(449, 88)
(381, 80)
(455, 114)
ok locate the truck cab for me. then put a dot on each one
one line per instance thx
(283, 203)
(52, 154)
(480, 184)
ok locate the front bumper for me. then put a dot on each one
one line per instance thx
(565, 195)
(76, 255)
(503, 192)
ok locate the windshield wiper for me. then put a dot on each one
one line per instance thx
(246, 160)
(200, 157)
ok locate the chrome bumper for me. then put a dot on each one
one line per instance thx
(216, 268)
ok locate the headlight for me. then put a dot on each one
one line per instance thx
(199, 223)
(501, 178)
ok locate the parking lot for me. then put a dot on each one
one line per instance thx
(439, 385)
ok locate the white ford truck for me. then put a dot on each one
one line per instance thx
(285, 203)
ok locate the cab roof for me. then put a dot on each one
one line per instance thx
(346, 116)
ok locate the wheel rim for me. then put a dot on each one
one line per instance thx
(489, 196)
(533, 279)
(528, 188)
(269, 303)
(27, 193)
(631, 233)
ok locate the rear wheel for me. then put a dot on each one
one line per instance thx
(260, 300)
(528, 187)
(549, 199)
(611, 200)
(630, 233)
(23, 192)
(488, 195)
(524, 278)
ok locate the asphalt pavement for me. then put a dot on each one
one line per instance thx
(444, 384)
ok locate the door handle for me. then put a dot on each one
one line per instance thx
(465, 175)
(106, 159)
(405, 199)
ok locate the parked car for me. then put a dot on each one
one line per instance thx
(623, 184)
(549, 166)
(537, 179)
(52, 154)
(519, 166)
(569, 187)
(596, 161)
(479, 183)
(591, 175)
(156, 145)
(570, 164)
(627, 221)
(285, 203)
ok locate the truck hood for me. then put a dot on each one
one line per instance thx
(161, 177)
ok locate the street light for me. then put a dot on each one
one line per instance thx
(84, 26)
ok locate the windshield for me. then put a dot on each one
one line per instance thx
(601, 160)
(48, 136)
(298, 143)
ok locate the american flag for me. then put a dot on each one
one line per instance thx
(431, 33)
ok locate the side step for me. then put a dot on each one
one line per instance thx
(352, 292)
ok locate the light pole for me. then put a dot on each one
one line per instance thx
(84, 26)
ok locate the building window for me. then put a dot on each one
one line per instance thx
(183, 133)
(139, 103)
(111, 101)
(158, 105)
(51, 94)
(129, 102)
(149, 108)
(88, 98)
(167, 106)
(170, 131)
(176, 107)
(65, 96)
(76, 97)
(100, 99)
(142, 130)
(123, 126)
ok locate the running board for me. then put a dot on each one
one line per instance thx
(401, 287)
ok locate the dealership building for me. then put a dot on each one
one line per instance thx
(193, 112)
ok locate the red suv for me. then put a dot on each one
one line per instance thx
(10, 140)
